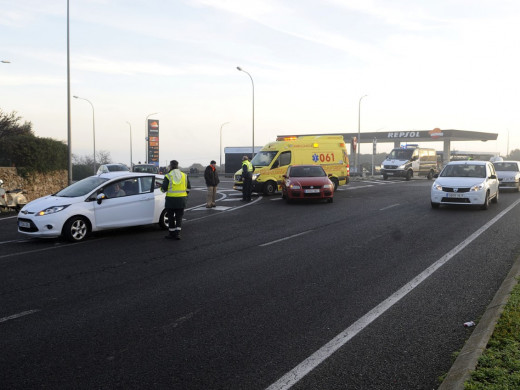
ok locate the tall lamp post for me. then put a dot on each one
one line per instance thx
(146, 136)
(358, 167)
(220, 164)
(253, 84)
(69, 128)
(131, 160)
(93, 128)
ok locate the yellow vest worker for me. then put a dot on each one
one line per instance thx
(176, 185)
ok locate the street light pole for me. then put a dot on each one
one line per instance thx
(253, 84)
(131, 160)
(146, 136)
(69, 127)
(93, 129)
(358, 168)
(220, 150)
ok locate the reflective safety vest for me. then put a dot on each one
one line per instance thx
(249, 166)
(177, 189)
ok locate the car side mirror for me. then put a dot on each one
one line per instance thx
(493, 176)
(284, 176)
(100, 197)
(329, 175)
(436, 175)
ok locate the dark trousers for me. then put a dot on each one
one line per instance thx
(247, 185)
(174, 220)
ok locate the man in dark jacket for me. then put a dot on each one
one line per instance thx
(212, 180)
(176, 185)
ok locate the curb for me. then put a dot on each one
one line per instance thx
(467, 360)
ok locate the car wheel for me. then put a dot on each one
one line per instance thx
(385, 177)
(485, 205)
(270, 188)
(76, 229)
(430, 175)
(163, 220)
(495, 199)
(409, 175)
(435, 205)
(335, 182)
(518, 187)
(330, 200)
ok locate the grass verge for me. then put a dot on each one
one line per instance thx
(499, 365)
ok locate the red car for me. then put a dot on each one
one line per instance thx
(307, 182)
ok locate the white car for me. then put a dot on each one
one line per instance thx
(106, 201)
(119, 167)
(508, 173)
(465, 183)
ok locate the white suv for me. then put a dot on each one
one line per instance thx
(465, 183)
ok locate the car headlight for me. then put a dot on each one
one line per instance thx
(295, 187)
(401, 166)
(437, 186)
(477, 187)
(52, 210)
(327, 186)
(256, 176)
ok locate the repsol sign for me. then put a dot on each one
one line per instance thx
(404, 134)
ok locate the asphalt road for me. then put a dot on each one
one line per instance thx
(369, 292)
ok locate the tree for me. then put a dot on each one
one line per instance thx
(19, 147)
(514, 155)
(9, 125)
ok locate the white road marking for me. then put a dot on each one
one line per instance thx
(318, 357)
(286, 238)
(24, 313)
(356, 188)
(15, 216)
(389, 207)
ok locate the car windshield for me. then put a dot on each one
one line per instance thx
(117, 168)
(263, 159)
(401, 154)
(307, 172)
(82, 187)
(145, 168)
(464, 170)
(506, 166)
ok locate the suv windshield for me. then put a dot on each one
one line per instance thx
(506, 166)
(82, 187)
(464, 170)
(401, 154)
(263, 159)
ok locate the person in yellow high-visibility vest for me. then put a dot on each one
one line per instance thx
(247, 179)
(176, 185)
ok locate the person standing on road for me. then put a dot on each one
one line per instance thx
(247, 179)
(176, 185)
(212, 180)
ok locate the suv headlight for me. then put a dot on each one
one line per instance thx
(437, 186)
(477, 187)
(52, 210)
(256, 176)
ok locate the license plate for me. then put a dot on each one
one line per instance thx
(312, 191)
(24, 224)
(454, 195)
(390, 173)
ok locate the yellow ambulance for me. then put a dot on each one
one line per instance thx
(272, 161)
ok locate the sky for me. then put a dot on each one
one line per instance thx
(422, 64)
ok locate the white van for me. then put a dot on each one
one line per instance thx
(410, 161)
